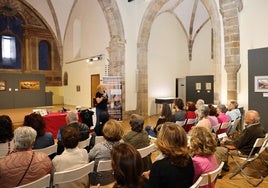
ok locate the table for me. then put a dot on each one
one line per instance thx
(54, 121)
(162, 100)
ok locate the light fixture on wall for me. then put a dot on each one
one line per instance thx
(198, 87)
(208, 87)
(95, 58)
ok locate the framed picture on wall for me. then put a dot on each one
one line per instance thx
(261, 84)
(29, 85)
(2, 85)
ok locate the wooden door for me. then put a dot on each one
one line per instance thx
(95, 81)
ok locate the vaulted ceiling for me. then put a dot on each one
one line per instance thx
(191, 14)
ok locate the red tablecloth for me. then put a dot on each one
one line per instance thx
(54, 121)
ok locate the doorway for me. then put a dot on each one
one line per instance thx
(95, 81)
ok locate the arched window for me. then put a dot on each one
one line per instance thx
(10, 41)
(44, 55)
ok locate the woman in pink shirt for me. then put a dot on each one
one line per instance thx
(203, 145)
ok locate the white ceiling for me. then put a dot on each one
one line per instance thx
(191, 13)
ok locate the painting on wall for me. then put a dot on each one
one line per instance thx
(30, 85)
(2, 85)
(261, 84)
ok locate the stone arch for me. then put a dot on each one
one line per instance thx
(116, 47)
(142, 49)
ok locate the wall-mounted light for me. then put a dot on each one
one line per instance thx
(208, 87)
(95, 58)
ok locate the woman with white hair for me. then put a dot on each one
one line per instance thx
(23, 165)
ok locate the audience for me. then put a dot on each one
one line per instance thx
(72, 120)
(43, 138)
(190, 115)
(204, 121)
(180, 114)
(166, 116)
(6, 135)
(203, 145)
(138, 138)
(212, 116)
(234, 113)
(222, 117)
(221, 111)
(72, 157)
(23, 165)
(112, 132)
(127, 166)
(245, 141)
(174, 168)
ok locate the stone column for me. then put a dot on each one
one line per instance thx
(229, 10)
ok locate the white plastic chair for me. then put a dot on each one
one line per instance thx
(99, 139)
(104, 165)
(40, 183)
(84, 143)
(208, 178)
(147, 150)
(48, 150)
(72, 175)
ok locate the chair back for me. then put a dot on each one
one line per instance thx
(99, 139)
(104, 165)
(42, 182)
(181, 123)
(84, 143)
(259, 144)
(147, 150)
(48, 150)
(73, 174)
(208, 178)
(190, 121)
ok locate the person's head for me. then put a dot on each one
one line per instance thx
(101, 88)
(199, 103)
(221, 108)
(251, 117)
(202, 141)
(127, 165)
(24, 138)
(136, 122)
(172, 142)
(6, 129)
(190, 106)
(203, 111)
(70, 137)
(71, 117)
(112, 130)
(166, 111)
(178, 103)
(232, 105)
(212, 110)
(35, 121)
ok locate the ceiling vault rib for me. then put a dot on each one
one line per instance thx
(191, 39)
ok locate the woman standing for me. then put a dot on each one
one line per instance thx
(101, 101)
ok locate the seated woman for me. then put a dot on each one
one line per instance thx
(138, 138)
(190, 115)
(180, 113)
(112, 132)
(203, 145)
(23, 165)
(43, 138)
(175, 166)
(72, 157)
(6, 135)
(166, 116)
(127, 174)
(213, 115)
(203, 121)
